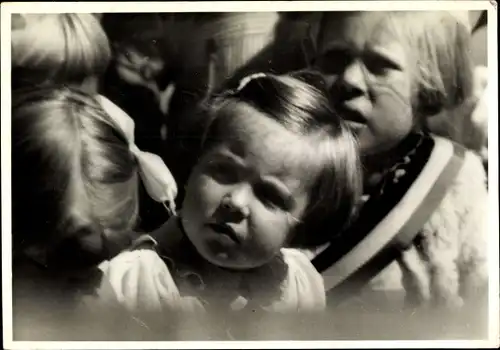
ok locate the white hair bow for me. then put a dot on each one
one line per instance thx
(155, 175)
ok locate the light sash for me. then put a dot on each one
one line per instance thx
(399, 228)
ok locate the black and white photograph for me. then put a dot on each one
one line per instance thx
(250, 174)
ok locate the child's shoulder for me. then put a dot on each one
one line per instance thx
(300, 268)
(296, 259)
(137, 261)
(304, 287)
(142, 281)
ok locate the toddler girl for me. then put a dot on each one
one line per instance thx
(63, 48)
(273, 163)
(74, 188)
(388, 74)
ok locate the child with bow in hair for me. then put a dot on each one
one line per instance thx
(75, 174)
(270, 162)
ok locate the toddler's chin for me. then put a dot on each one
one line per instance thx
(225, 261)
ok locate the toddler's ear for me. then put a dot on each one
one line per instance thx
(428, 103)
(458, 125)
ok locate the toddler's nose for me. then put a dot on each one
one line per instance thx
(352, 82)
(234, 205)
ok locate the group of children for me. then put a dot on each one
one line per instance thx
(288, 177)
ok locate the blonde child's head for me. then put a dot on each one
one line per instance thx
(275, 167)
(74, 178)
(438, 44)
(389, 72)
(67, 48)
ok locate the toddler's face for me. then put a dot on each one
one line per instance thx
(246, 193)
(368, 74)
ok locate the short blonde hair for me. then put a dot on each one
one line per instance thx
(74, 176)
(439, 43)
(58, 48)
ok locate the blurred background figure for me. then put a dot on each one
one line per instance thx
(210, 49)
(133, 78)
(136, 80)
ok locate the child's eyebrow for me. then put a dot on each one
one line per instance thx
(228, 155)
(384, 55)
(336, 46)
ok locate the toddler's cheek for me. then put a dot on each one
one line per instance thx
(202, 199)
(268, 243)
(392, 99)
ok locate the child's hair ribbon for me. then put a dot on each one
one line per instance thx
(155, 175)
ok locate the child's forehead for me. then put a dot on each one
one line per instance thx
(243, 125)
(251, 134)
(357, 29)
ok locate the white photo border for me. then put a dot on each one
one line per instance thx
(246, 6)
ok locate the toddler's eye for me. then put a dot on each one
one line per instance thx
(272, 197)
(379, 65)
(222, 172)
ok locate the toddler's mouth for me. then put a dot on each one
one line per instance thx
(350, 114)
(225, 230)
(352, 117)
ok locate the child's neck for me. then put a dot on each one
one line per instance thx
(219, 281)
(378, 164)
(186, 257)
